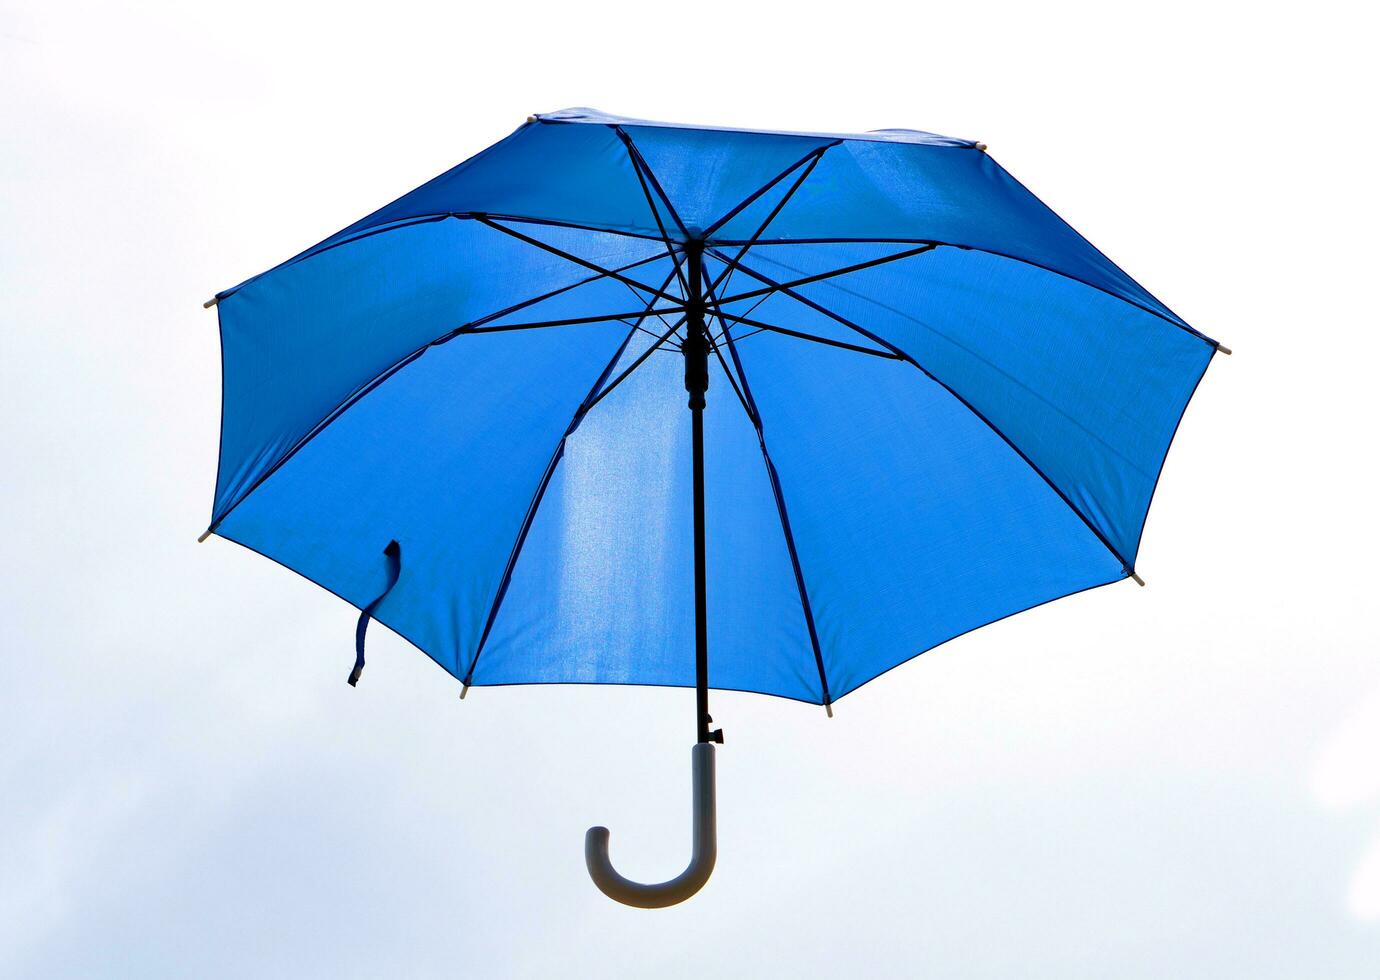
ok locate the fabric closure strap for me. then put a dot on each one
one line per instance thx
(394, 554)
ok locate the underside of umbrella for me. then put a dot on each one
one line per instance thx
(931, 404)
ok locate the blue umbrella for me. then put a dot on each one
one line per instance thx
(919, 402)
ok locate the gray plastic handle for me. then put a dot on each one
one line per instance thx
(704, 850)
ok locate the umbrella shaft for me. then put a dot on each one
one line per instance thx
(697, 383)
(701, 614)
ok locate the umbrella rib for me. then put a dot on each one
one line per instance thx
(755, 417)
(747, 312)
(731, 264)
(729, 374)
(551, 223)
(901, 354)
(813, 158)
(986, 251)
(591, 399)
(563, 289)
(594, 267)
(970, 351)
(809, 160)
(831, 274)
(569, 321)
(637, 363)
(745, 202)
(741, 337)
(760, 325)
(641, 329)
(744, 398)
(658, 315)
(411, 222)
(638, 166)
(516, 551)
(368, 386)
(675, 260)
(838, 241)
(320, 248)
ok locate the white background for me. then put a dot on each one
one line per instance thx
(1176, 781)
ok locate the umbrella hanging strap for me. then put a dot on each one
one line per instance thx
(394, 554)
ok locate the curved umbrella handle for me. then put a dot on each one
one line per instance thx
(703, 851)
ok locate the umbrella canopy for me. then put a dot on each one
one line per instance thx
(931, 404)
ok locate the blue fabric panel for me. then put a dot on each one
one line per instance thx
(706, 173)
(442, 457)
(913, 522)
(958, 196)
(297, 343)
(781, 310)
(579, 174)
(1089, 388)
(603, 591)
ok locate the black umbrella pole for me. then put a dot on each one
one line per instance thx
(701, 614)
(697, 383)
